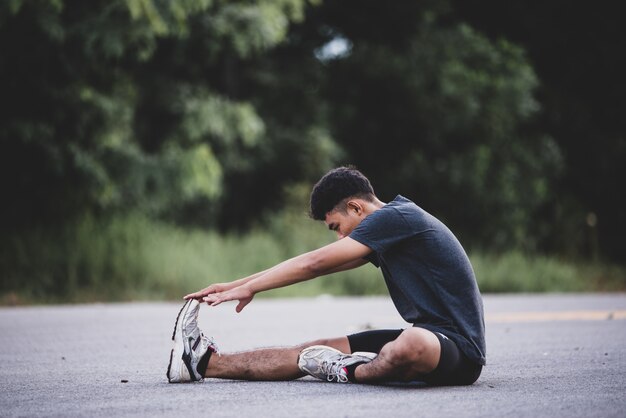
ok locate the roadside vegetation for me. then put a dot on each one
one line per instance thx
(148, 148)
(133, 258)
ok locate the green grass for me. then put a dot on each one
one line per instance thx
(517, 272)
(133, 258)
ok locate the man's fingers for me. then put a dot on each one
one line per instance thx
(214, 300)
(242, 303)
(201, 293)
(209, 299)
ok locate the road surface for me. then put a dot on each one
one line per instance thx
(548, 356)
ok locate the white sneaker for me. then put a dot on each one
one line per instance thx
(329, 364)
(192, 350)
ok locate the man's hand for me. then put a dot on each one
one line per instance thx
(214, 288)
(242, 293)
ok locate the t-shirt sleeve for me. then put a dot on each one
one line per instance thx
(382, 229)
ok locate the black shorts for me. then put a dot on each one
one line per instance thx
(454, 368)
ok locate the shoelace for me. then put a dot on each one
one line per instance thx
(334, 371)
(210, 344)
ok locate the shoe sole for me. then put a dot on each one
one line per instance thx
(176, 328)
(367, 356)
(317, 347)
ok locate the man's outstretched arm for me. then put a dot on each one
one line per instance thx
(338, 256)
(222, 287)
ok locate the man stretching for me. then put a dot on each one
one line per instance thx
(429, 277)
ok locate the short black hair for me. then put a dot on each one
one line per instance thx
(337, 185)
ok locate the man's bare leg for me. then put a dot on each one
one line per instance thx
(267, 363)
(414, 352)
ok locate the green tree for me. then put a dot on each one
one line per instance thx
(119, 105)
(578, 55)
(443, 115)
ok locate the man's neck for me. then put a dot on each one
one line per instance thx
(371, 207)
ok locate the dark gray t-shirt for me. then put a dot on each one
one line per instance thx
(428, 274)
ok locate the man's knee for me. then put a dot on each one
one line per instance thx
(416, 349)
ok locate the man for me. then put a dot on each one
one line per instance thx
(427, 272)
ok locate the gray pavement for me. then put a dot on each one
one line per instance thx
(548, 356)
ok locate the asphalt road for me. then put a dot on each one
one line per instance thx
(548, 356)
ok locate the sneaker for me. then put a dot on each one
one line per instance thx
(329, 364)
(192, 350)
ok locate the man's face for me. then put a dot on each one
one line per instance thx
(343, 222)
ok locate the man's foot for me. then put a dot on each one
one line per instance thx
(192, 350)
(329, 364)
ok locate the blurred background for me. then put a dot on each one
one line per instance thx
(151, 147)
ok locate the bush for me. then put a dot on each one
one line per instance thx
(132, 257)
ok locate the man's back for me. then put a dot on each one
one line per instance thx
(428, 274)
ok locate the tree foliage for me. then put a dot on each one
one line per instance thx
(445, 119)
(204, 112)
(136, 104)
(577, 53)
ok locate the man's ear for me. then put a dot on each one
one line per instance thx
(355, 206)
